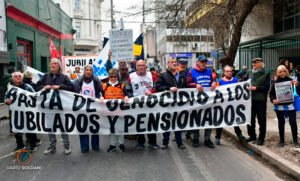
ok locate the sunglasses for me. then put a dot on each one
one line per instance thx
(113, 77)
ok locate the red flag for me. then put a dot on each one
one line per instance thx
(53, 50)
(60, 52)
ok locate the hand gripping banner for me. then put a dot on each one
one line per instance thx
(54, 111)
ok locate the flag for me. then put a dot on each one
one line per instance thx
(60, 52)
(53, 51)
(104, 42)
(137, 50)
(139, 41)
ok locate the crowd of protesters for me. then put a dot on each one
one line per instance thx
(133, 79)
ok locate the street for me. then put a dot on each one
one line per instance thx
(225, 162)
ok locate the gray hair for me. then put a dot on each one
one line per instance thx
(226, 66)
(57, 61)
(172, 57)
(88, 66)
(13, 74)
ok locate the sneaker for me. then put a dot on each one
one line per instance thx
(280, 144)
(242, 138)
(218, 141)
(154, 146)
(250, 139)
(33, 149)
(140, 147)
(84, 151)
(49, 150)
(122, 148)
(164, 147)
(195, 143)
(209, 144)
(260, 142)
(111, 148)
(67, 150)
(296, 145)
(181, 146)
(17, 149)
(96, 149)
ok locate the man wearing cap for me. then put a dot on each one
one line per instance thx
(260, 84)
(243, 75)
(182, 66)
(201, 77)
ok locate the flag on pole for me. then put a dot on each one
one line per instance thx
(60, 53)
(53, 51)
(139, 49)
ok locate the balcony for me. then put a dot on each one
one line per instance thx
(86, 42)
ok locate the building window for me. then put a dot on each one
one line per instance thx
(78, 29)
(24, 53)
(77, 4)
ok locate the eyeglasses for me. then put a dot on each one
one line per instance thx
(17, 76)
(113, 77)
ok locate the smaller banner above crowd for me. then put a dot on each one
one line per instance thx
(70, 62)
(54, 111)
(121, 45)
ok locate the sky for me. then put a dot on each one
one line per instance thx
(121, 7)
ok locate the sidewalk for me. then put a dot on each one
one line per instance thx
(287, 159)
(3, 111)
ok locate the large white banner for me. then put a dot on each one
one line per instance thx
(53, 111)
(121, 45)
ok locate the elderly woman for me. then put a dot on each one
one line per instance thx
(58, 81)
(260, 85)
(28, 78)
(88, 85)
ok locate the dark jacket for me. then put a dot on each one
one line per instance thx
(272, 93)
(97, 85)
(62, 80)
(260, 80)
(243, 76)
(7, 78)
(167, 80)
(29, 81)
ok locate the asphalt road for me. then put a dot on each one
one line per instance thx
(225, 162)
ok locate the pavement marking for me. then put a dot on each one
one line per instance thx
(199, 163)
(12, 153)
(183, 171)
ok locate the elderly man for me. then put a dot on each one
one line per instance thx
(260, 85)
(31, 137)
(243, 75)
(182, 66)
(88, 85)
(57, 81)
(141, 83)
(228, 79)
(171, 80)
(201, 77)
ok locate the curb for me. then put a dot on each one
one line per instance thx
(274, 159)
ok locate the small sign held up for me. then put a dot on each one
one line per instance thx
(121, 45)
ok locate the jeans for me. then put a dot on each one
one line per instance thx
(259, 109)
(178, 138)
(151, 139)
(207, 134)
(292, 121)
(65, 137)
(113, 139)
(84, 142)
(237, 131)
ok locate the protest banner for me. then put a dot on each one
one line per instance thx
(70, 62)
(55, 111)
(121, 45)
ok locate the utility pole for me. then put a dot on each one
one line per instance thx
(112, 14)
(143, 11)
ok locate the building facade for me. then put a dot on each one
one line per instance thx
(173, 39)
(85, 13)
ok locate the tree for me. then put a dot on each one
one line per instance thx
(226, 19)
